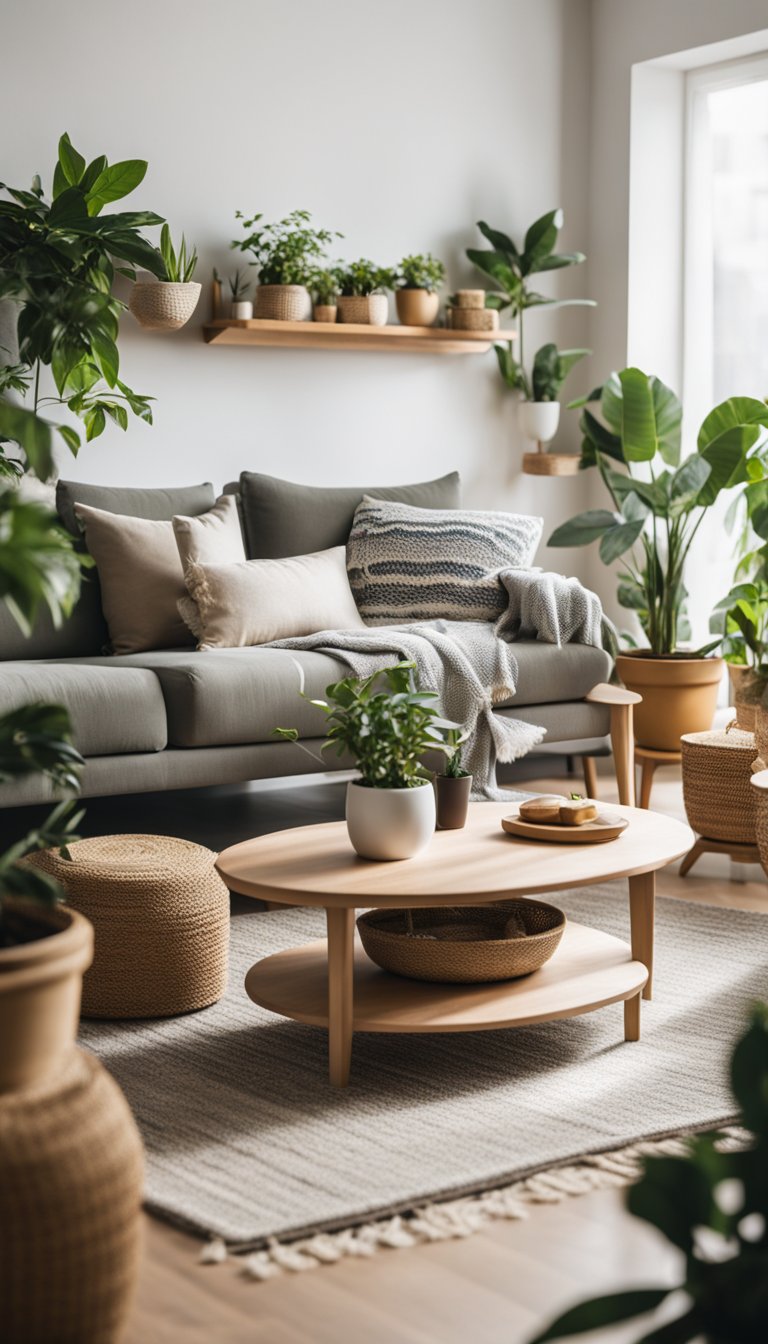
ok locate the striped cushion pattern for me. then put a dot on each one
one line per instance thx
(409, 564)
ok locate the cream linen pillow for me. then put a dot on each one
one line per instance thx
(141, 579)
(212, 538)
(257, 601)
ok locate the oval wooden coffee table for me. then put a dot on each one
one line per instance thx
(334, 985)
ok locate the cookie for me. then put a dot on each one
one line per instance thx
(545, 809)
(577, 811)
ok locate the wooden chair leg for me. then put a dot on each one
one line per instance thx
(590, 775)
(646, 782)
(623, 743)
(693, 854)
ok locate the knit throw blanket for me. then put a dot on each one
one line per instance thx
(471, 666)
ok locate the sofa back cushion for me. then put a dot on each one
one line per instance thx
(159, 504)
(281, 518)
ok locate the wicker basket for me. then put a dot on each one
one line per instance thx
(160, 914)
(717, 767)
(473, 319)
(760, 795)
(70, 1208)
(746, 692)
(325, 312)
(470, 298)
(465, 946)
(163, 305)
(283, 303)
(368, 310)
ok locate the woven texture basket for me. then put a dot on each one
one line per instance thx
(717, 767)
(473, 319)
(369, 310)
(70, 1204)
(160, 914)
(475, 944)
(470, 298)
(163, 306)
(761, 824)
(283, 303)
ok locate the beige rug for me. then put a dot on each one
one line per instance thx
(246, 1141)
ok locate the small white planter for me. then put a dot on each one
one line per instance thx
(241, 311)
(539, 420)
(390, 823)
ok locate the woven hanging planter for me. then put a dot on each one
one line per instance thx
(717, 767)
(368, 310)
(160, 914)
(163, 305)
(283, 303)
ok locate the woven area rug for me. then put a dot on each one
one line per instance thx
(247, 1141)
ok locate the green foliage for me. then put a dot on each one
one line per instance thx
(724, 1240)
(363, 277)
(386, 731)
(238, 284)
(741, 620)
(550, 370)
(454, 768)
(179, 266)
(324, 286)
(286, 252)
(38, 564)
(659, 503)
(420, 272)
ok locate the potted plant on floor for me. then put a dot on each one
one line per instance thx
(453, 787)
(511, 267)
(741, 619)
(418, 279)
(166, 304)
(241, 307)
(362, 296)
(391, 807)
(659, 504)
(286, 255)
(325, 294)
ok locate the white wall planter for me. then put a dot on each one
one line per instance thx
(241, 311)
(163, 305)
(539, 420)
(390, 823)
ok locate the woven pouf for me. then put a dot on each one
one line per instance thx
(717, 768)
(160, 914)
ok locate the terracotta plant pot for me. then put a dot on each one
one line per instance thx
(162, 305)
(747, 691)
(283, 303)
(679, 696)
(325, 312)
(390, 823)
(417, 307)
(452, 801)
(370, 310)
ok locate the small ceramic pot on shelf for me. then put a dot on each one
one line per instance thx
(367, 309)
(539, 420)
(325, 312)
(417, 307)
(241, 310)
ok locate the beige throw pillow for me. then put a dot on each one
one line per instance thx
(141, 579)
(212, 538)
(260, 600)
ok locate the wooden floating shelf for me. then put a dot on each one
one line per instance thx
(352, 336)
(551, 464)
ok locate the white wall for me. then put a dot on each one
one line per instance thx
(399, 123)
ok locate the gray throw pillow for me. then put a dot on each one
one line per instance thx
(155, 504)
(409, 564)
(281, 518)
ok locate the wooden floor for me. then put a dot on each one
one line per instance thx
(499, 1285)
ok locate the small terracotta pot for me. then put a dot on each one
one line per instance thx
(747, 691)
(679, 696)
(325, 312)
(371, 310)
(283, 303)
(417, 307)
(452, 801)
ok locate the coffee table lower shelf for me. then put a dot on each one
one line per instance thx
(589, 970)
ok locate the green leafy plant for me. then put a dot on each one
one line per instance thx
(363, 278)
(286, 252)
(324, 286)
(741, 620)
(712, 1205)
(511, 267)
(386, 731)
(239, 287)
(658, 502)
(420, 272)
(179, 266)
(454, 768)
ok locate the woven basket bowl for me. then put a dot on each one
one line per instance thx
(717, 767)
(470, 298)
(746, 693)
(162, 305)
(283, 303)
(472, 948)
(160, 914)
(369, 310)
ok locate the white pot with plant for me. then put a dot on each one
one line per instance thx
(391, 807)
(166, 305)
(362, 296)
(241, 307)
(418, 279)
(325, 295)
(286, 255)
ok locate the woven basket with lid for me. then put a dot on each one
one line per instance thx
(717, 768)
(160, 914)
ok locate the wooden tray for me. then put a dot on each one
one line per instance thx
(606, 826)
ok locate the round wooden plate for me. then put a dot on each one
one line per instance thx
(606, 826)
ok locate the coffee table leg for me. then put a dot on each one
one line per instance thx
(642, 901)
(632, 1018)
(341, 941)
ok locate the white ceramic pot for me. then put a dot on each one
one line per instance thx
(242, 310)
(390, 823)
(539, 420)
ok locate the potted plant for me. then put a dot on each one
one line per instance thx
(241, 307)
(166, 304)
(418, 278)
(286, 255)
(511, 267)
(391, 807)
(659, 504)
(325, 293)
(361, 292)
(453, 787)
(741, 619)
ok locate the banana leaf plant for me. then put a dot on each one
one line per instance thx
(658, 502)
(511, 267)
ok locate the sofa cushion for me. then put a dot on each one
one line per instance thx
(549, 674)
(113, 710)
(134, 502)
(282, 518)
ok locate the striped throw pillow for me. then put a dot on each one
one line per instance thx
(409, 564)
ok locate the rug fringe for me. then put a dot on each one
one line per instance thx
(457, 1218)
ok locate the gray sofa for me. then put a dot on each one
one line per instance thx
(176, 718)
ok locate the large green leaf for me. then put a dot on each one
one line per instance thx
(585, 527)
(638, 418)
(687, 483)
(727, 415)
(610, 401)
(620, 539)
(115, 182)
(603, 439)
(32, 434)
(93, 171)
(496, 265)
(669, 419)
(68, 208)
(501, 242)
(603, 1311)
(727, 457)
(38, 564)
(540, 240)
(556, 261)
(757, 507)
(510, 370)
(72, 163)
(106, 355)
(130, 247)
